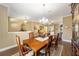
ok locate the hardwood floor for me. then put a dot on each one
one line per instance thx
(9, 52)
(66, 50)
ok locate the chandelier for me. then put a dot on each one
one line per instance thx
(44, 20)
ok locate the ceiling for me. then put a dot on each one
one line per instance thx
(39, 10)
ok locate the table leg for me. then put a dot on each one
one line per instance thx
(36, 53)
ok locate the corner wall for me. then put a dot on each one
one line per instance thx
(67, 28)
(6, 39)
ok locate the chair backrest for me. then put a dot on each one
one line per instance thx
(19, 45)
(57, 38)
(31, 35)
(60, 35)
(54, 38)
(49, 41)
(48, 34)
(18, 40)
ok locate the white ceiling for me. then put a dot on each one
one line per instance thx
(37, 10)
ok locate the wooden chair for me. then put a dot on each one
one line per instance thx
(60, 36)
(73, 48)
(31, 35)
(54, 42)
(22, 50)
(76, 49)
(48, 34)
(47, 51)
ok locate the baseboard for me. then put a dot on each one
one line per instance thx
(69, 41)
(6, 48)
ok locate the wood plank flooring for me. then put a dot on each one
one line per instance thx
(66, 50)
(9, 52)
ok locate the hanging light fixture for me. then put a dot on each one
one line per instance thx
(44, 20)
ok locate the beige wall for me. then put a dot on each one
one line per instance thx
(77, 23)
(67, 28)
(5, 38)
(58, 21)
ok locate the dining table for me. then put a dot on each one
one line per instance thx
(36, 44)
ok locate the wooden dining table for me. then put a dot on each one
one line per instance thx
(35, 45)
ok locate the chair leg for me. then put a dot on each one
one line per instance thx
(56, 46)
(49, 52)
(45, 52)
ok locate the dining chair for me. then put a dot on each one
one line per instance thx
(77, 51)
(47, 51)
(76, 48)
(48, 34)
(31, 35)
(22, 50)
(54, 42)
(60, 38)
